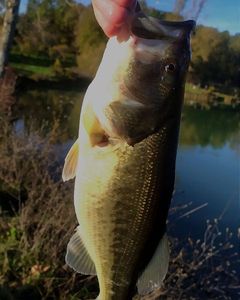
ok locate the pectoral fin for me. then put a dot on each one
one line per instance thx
(155, 272)
(71, 160)
(96, 133)
(77, 256)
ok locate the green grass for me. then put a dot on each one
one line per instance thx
(39, 66)
(44, 67)
(215, 94)
(190, 88)
(26, 69)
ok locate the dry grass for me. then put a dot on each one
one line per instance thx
(202, 269)
(42, 219)
(36, 229)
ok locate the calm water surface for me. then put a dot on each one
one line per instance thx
(208, 170)
(208, 160)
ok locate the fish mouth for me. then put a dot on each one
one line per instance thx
(152, 28)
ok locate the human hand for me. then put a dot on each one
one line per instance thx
(113, 15)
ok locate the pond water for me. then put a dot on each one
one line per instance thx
(208, 160)
(208, 170)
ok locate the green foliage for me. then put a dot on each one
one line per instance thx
(90, 42)
(235, 43)
(28, 70)
(201, 127)
(204, 41)
(87, 30)
(215, 57)
(9, 252)
(58, 68)
(66, 32)
(52, 26)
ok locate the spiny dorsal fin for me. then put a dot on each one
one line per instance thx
(77, 256)
(71, 160)
(155, 272)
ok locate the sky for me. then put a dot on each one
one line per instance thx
(221, 14)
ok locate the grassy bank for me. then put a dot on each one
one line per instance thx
(39, 219)
(210, 97)
(44, 68)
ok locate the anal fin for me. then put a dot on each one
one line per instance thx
(154, 274)
(77, 256)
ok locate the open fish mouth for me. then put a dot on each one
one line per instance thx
(146, 73)
(152, 28)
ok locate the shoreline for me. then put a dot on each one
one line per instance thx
(202, 98)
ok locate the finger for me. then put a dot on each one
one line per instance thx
(110, 15)
(114, 13)
(129, 4)
(109, 29)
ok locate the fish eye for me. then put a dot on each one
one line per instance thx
(170, 68)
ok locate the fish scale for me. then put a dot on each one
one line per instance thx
(124, 159)
(124, 217)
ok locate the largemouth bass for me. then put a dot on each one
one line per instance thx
(124, 158)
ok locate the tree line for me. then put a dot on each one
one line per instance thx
(63, 31)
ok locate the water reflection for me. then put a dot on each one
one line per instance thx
(207, 162)
(208, 170)
(210, 128)
(41, 110)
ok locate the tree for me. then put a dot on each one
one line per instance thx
(90, 42)
(216, 57)
(204, 41)
(52, 31)
(8, 28)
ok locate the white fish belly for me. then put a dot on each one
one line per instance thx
(115, 204)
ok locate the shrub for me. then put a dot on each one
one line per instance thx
(35, 230)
